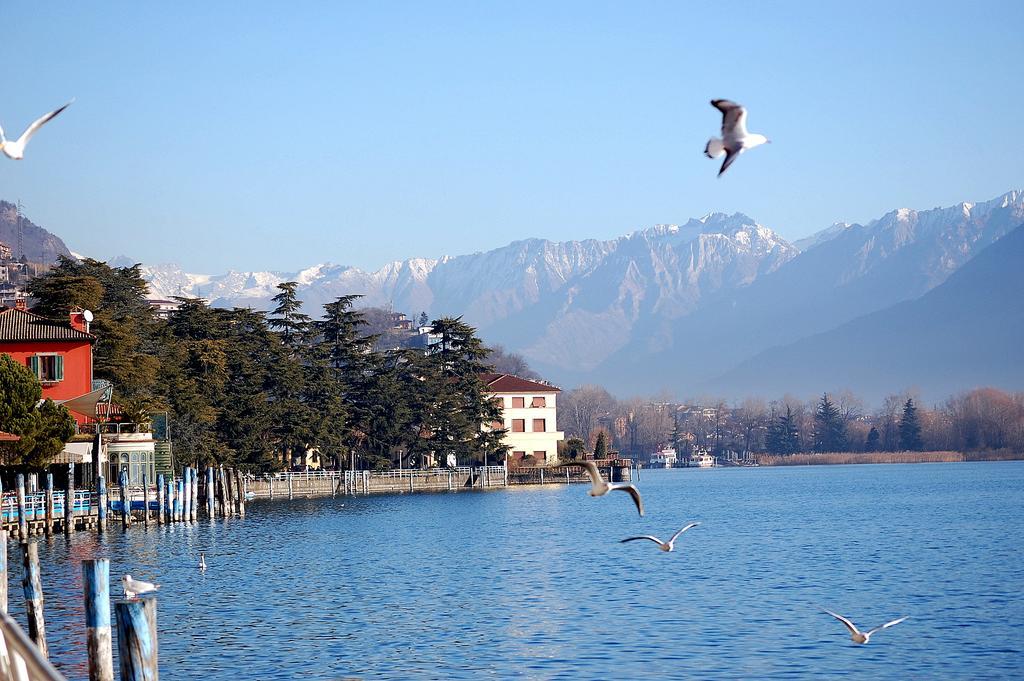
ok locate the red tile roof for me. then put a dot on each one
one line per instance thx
(19, 325)
(8, 437)
(507, 383)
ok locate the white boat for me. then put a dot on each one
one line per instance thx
(701, 459)
(665, 458)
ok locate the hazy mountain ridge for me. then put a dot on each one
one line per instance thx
(669, 307)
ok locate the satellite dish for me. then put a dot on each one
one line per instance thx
(87, 314)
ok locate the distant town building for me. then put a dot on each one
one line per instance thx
(528, 416)
(163, 308)
(5, 252)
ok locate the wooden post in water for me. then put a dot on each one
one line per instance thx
(145, 499)
(270, 483)
(229, 493)
(161, 500)
(136, 639)
(410, 481)
(49, 505)
(567, 475)
(69, 501)
(126, 502)
(96, 589)
(186, 500)
(3, 570)
(222, 493)
(170, 499)
(210, 489)
(101, 492)
(19, 485)
(193, 505)
(33, 588)
(289, 485)
(366, 482)
(449, 481)
(180, 507)
(240, 493)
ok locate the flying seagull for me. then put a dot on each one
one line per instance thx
(202, 562)
(735, 138)
(670, 545)
(600, 487)
(15, 149)
(856, 635)
(136, 587)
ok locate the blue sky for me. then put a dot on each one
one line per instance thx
(276, 135)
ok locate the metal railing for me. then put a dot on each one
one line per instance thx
(20, 659)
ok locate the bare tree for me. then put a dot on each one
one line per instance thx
(580, 408)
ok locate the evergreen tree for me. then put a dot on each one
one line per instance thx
(43, 428)
(125, 352)
(783, 434)
(910, 428)
(871, 444)
(424, 319)
(829, 427)
(287, 318)
(460, 403)
(575, 449)
(601, 446)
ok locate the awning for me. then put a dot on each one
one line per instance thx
(86, 404)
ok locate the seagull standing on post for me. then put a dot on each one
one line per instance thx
(15, 149)
(136, 587)
(858, 636)
(735, 138)
(600, 487)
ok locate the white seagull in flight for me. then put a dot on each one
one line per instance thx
(858, 636)
(735, 138)
(136, 587)
(600, 487)
(670, 545)
(15, 149)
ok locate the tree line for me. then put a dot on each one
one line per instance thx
(254, 388)
(975, 420)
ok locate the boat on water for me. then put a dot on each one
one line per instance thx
(702, 459)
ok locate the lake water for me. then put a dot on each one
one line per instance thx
(532, 582)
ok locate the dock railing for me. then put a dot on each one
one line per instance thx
(20, 659)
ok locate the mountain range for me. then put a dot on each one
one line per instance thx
(33, 242)
(719, 305)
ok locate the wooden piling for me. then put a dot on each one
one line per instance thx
(542, 476)
(69, 501)
(179, 508)
(366, 482)
(210, 490)
(136, 639)
(222, 492)
(450, 476)
(96, 590)
(33, 588)
(3, 570)
(410, 481)
(271, 487)
(186, 497)
(567, 475)
(19, 486)
(170, 500)
(161, 499)
(145, 499)
(194, 502)
(48, 527)
(239, 493)
(101, 491)
(126, 502)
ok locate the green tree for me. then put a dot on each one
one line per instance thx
(871, 443)
(460, 403)
(829, 427)
(601, 446)
(574, 449)
(783, 434)
(43, 428)
(910, 428)
(125, 352)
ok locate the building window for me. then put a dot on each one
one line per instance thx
(497, 425)
(500, 401)
(518, 425)
(47, 368)
(540, 425)
(539, 402)
(540, 456)
(518, 402)
(518, 456)
(137, 464)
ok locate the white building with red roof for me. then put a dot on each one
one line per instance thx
(528, 416)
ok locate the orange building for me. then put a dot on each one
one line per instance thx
(60, 355)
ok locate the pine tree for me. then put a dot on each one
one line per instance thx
(871, 444)
(829, 427)
(424, 319)
(461, 405)
(601, 446)
(783, 435)
(43, 427)
(910, 428)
